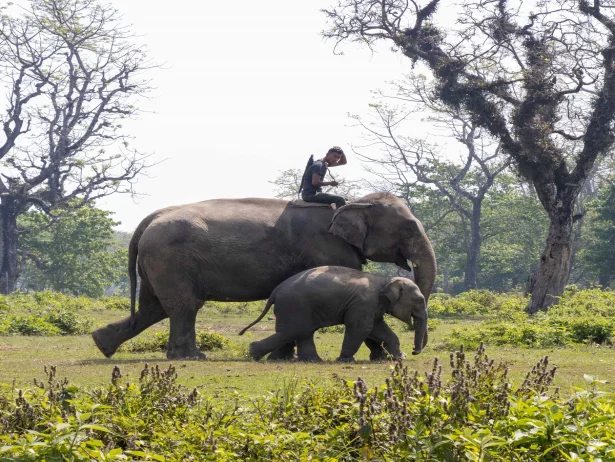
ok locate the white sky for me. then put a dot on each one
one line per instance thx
(248, 89)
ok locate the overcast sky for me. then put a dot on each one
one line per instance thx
(247, 89)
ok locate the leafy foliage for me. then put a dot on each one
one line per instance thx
(39, 302)
(580, 317)
(477, 415)
(56, 322)
(73, 250)
(206, 341)
(598, 252)
(52, 313)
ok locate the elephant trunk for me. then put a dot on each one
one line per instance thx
(420, 334)
(425, 271)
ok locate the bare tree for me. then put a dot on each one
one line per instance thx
(542, 83)
(288, 181)
(408, 160)
(71, 75)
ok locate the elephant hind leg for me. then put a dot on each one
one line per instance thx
(108, 339)
(284, 353)
(271, 343)
(306, 349)
(182, 337)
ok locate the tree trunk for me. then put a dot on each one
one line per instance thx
(9, 270)
(552, 275)
(469, 282)
(604, 279)
(446, 275)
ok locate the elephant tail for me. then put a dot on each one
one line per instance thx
(132, 271)
(270, 302)
(132, 261)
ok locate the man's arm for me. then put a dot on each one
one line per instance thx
(317, 181)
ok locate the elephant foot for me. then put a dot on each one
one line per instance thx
(345, 359)
(106, 345)
(286, 353)
(277, 357)
(188, 354)
(379, 356)
(256, 355)
(309, 359)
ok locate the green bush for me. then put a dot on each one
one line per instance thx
(228, 308)
(157, 341)
(587, 329)
(527, 334)
(28, 325)
(116, 303)
(69, 322)
(477, 303)
(479, 415)
(48, 300)
(337, 329)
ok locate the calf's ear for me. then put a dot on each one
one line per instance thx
(393, 291)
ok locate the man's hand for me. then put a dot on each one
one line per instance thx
(333, 183)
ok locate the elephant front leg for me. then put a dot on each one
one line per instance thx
(385, 342)
(306, 349)
(376, 350)
(355, 335)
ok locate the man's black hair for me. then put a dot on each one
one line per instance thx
(336, 150)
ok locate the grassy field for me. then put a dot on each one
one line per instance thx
(227, 372)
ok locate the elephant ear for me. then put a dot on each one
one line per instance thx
(350, 222)
(393, 290)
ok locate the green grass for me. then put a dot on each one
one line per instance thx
(227, 372)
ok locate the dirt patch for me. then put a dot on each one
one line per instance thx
(8, 348)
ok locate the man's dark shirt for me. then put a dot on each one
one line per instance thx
(319, 168)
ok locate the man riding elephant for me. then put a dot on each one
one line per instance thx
(314, 175)
(241, 249)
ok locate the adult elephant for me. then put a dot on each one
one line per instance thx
(241, 249)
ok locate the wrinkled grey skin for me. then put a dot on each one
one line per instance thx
(241, 249)
(332, 295)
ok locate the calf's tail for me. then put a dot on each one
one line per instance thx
(270, 302)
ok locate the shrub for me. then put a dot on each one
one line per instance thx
(116, 303)
(477, 303)
(29, 325)
(479, 415)
(69, 322)
(588, 330)
(337, 329)
(59, 322)
(227, 308)
(206, 341)
(527, 334)
(48, 300)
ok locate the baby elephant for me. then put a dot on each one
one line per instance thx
(331, 295)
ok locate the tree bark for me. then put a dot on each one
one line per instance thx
(9, 270)
(474, 247)
(604, 279)
(446, 274)
(552, 275)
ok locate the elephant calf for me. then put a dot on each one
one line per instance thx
(331, 295)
